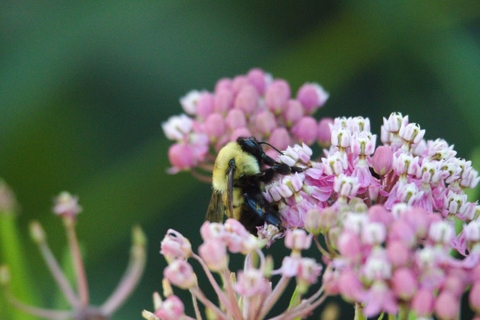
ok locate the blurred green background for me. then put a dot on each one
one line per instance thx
(85, 85)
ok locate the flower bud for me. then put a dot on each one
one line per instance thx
(382, 160)
(175, 246)
(236, 119)
(312, 96)
(297, 240)
(259, 79)
(293, 112)
(324, 133)
(214, 126)
(180, 274)
(223, 101)
(214, 253)
(247, 100)
(306, 130)
(205, 105)
(446, 305)
(181, 156)
(67, 205)
(474, 297)
(265, 123)
(171, 309)
(312, 222)
(280, 138)
(404, 283)
(251, 282)
(423, 303)
(277, 95)
(398, 253)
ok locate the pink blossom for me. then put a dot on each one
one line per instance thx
(171, 309)
(277, 95)
(180, 274)
(175, 246)
(312, 96)
(446, 305)
(214, 253)
(66, 205)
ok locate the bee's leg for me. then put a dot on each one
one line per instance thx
(278, 168)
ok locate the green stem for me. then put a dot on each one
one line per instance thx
(359, 312)
(12, 254)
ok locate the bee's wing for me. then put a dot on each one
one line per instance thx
(216, 208)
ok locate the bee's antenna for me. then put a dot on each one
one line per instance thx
(268, 144)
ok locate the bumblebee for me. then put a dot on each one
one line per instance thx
(238, 177)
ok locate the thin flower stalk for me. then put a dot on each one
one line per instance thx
(67, 208)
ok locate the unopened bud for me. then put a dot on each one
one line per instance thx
(4, 275)
(312, 222)
(37, 233)
(8, 202)
(382, 160)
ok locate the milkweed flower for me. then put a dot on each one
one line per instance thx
(254, 104)
(392, 222)
(247, 293)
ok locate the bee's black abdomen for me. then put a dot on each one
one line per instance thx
(256, 210)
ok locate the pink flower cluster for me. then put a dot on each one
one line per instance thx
(247, 294)
(248, 105)
(387, 216)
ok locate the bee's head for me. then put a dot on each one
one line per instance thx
(251, 146)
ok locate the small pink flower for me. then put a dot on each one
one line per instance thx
(180, 274)
(175, 246)
(236, 119)
(313, 220)
(259, 79)
(66, 205)
(324, 133)
(446, 305)
(308, 273)
(293, 112)
(247, 100)
(398, 253)
(297, 240)
(177, 127)
(214, 253)
(404, 283)
(350, 286)
(251, 282)
(474, 297)
(277, 95)
(265, 123)
(423, 303)
(204, 106)
(223, 101)
(214, 126)
(181, 156)
(312, 96)
(189, 102)
(382, 160)
(378, 299)
(171, 309)
(280, 138)
(212, 231)
(306, 130)
(349, 246)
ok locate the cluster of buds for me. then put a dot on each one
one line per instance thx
(387, 217)
(251, 105)
(247, 294)
(67, 207)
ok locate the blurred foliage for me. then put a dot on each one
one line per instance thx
(85, 85)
